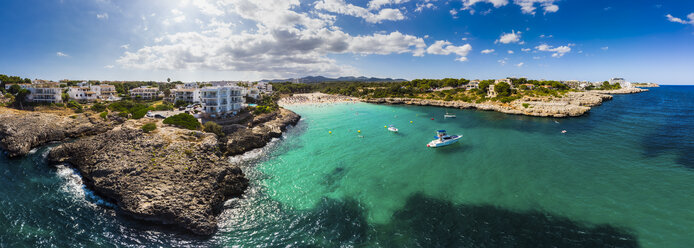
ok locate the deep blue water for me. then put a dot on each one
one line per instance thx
(622, 176)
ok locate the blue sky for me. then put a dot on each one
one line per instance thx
(201, 40)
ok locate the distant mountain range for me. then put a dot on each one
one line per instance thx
(321, 79)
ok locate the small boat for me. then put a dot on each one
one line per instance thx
(449, 115)
(443, 139)
(563, 131)
(392, 129)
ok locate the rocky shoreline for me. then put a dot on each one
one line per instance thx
(20, 131)
(170, 175)
(571, 105)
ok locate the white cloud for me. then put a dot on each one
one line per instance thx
(525, 49)
(510, 51)
(520, 64)
(495, 3)
(506, 38)
(453, 12)
(343, 8)
(527, 6)
(126, 46)
(605, 48)
(558, 52)
(103, 16)
(678, 20)
(208, 8)
(61, 54)
(487, 51)
(283, 43)
(425, 5)
(502, 61)
(445, 48)
(377, 4)
(109, 66)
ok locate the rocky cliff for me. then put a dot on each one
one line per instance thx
(169, 175)
(571, 104)
(259, 131)
(20, 131)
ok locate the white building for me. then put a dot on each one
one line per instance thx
(253, 92)
(474, 84)
(144, 92)
(264, 87)
(623, 83)
(45, 93)
(82, 94)
(219, 100)
(186, 94)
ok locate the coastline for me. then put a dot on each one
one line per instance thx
(573, 104)
(170, 175)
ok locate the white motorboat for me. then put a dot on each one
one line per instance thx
(392, 129)
(449, 115)
(443, 139)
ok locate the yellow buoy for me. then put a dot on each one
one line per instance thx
(330, 132)
(385, 126)
(410, 121)
(358, 131)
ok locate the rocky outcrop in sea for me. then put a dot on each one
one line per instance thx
(259, 131)
(20, 131)
(170, 175)
(571, 104)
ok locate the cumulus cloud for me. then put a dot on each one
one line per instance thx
(510, 51)
(557, 52)
(679, 20)
(102, 16)
(445, 48)
(487, 51)
(283, 42)
(527, 6)
(525, 49)
(605, 48)
(343, 8)
(506, 38)
(377, 4)
(427, 4)
(520, 64)
(109, 66)
(61, 54)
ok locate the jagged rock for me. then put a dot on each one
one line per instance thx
(20, 131)
(169, 175)
(263, 129)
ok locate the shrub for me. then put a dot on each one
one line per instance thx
(164, 107)
(74, 105)
(180, 103)
(138, 110)
(98, 107)
(183, 120)
(103, 115)
(525, 105)
(139, 113)
(149, 127)
(212, 127)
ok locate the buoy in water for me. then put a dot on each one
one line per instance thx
(330, 132)
(410, 121)
(358, 131)
(432, 118)
(385, 126)
(563, 131)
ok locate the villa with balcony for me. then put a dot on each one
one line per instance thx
(220, 100)
(45, 93)
(144, 92)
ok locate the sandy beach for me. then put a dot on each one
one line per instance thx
(315, 98)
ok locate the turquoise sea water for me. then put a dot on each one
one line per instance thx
(621, 176)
